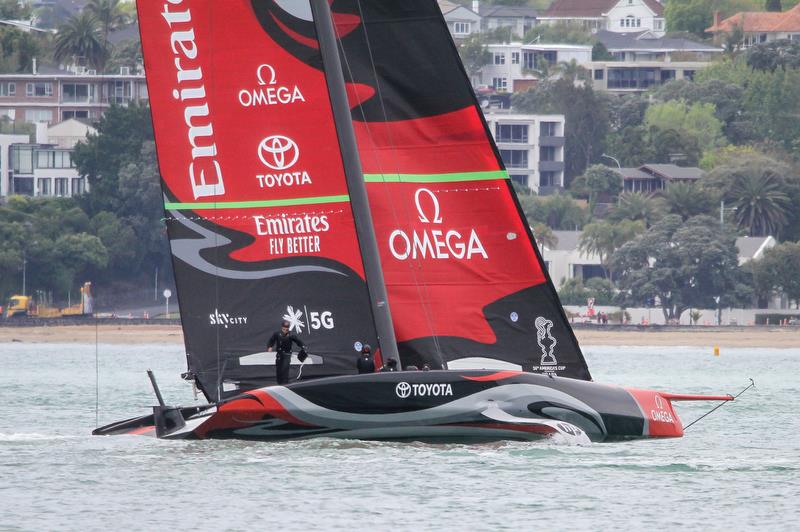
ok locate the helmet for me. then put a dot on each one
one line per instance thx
(366, 348)
(284, 323)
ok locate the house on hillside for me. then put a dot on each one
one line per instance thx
(516, 67)
(639, 76)
(612, 15)
(566, 261)
(461, 21)
(654, 177)
(647, 46)
(760, 26)
(520, 19)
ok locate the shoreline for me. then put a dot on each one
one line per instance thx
(137, 334)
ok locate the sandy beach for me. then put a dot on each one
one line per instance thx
(780, 337)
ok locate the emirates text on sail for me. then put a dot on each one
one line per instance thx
(205, 173)
(292, 235)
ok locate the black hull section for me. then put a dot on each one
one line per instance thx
(426, 406)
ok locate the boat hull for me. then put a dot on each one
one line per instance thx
(426, 406)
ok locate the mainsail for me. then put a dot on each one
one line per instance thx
(464, 276)
(258, 212)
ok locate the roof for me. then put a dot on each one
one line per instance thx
(445, 6)
(509, 12)
(592, 8)
(753, 247)
(566, 240)
(644, 40)
(633, 173)
(761, 21)
(673, 171)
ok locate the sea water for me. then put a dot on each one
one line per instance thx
(737, 469)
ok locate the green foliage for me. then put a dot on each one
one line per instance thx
(648, 208)
(694, 121)
(586, 114)
(604, 238)
(693, 16)
(558, 211)
(598, 183)
(778, 271)
(601, 53)
(474, 54)
(107, 13)
(687, 200)
(80, 40)
(575, 292)
(119, 139)
(683, 264)
(560, 32)
(17, 49)
(781, 54)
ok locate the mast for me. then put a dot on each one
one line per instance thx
(355, 179)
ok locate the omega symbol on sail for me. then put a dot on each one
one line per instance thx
(269, 91)
(434, 241)
(278, 152)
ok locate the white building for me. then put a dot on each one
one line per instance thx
(639, 76)
(532, 148)
(612, 15)
(516, 67)
(43, 167)
(461, 22)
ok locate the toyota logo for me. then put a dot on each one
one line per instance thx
(403, 390)
(278, 152)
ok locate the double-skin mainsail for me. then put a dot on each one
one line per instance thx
(258, 207)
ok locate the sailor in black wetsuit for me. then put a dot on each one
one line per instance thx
(366, 364)
(391, 365)
(281, 342)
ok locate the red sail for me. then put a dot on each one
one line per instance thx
(461, 267)
(258, 211)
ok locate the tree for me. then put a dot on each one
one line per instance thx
(778, 271)
(683, 265)
(782, 54)
(695, 121)
(560, 32)
(638, 206)
(121, 133)
(544, 235)
(687, 200)
(693, 16)
(599, 182)
(474, 53)
(558, 211)
(604, 238)
(108, 14)
(80, 39)
(773, 5)
(601, 53)
(761, 205)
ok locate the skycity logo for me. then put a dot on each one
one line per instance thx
(434, 243)
(226, 320)
(405, 390)
(279, 153)
(269, 92)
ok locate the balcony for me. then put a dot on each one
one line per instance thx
(551, 141)
(551, 166)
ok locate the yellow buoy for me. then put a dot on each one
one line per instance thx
(716, 350)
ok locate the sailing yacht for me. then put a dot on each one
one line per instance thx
(326, 163)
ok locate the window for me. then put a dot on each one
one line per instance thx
(23, 186)
(631, 78)
(514, 58)
(547, 153)
(77, 92)
(66, 115)
(53, 159)
(547, 129)
(38, 115)
(461, 28)
(22, 160)
(511, 133)
(688, 74)
(8, 89)
(522, 179)
(548, 179)
(598, 74)
(500, 84)
(78, 186)
(499, 58)
(39, 89)
(515, 158)
(43, 184)
(762, 37)
(667, 75)
(658, 24)
(61, 186)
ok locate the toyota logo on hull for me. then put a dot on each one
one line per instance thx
(403, 390)
(278, 152)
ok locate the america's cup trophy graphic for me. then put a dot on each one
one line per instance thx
(547, 342)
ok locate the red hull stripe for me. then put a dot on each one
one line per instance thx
(215, 205)
(689, 397)
(494, 376)
(436, 178)
(142, 430)
(276, 409)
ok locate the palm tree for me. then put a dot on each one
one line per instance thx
(761, 205)
(80, 39)
(108, 14)
(638, 206)
(604, 238)
(687, 200)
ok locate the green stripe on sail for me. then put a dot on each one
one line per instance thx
(436, 178)
(216, 205)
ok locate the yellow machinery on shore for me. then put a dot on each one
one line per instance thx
(23, 305)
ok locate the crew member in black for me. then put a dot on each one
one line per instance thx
(391, 365)
(365, 363)
(281, 341)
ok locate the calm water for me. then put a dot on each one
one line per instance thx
(737, 469)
